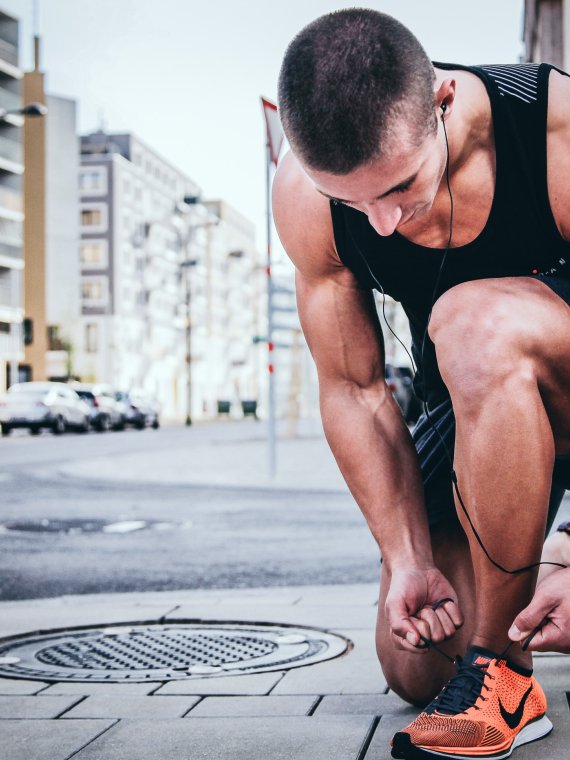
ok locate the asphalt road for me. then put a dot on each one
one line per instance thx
(66, 535)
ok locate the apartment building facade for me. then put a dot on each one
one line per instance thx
(152, 269)
(11, 205)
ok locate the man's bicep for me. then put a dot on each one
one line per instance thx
(342, 328)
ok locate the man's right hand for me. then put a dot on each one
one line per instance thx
(410, 609)
(549, 609)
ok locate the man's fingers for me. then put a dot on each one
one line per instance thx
(530, 618)
(548, 639)
(436, 630)
(454, 612)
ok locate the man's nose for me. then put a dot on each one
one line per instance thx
(383, 218)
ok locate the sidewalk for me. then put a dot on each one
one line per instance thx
(334, 710)
(229, 454)
(339, 709)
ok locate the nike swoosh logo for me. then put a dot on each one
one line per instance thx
(512, 719)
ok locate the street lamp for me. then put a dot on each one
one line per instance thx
(186, 264)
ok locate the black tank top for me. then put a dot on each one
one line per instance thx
(520, 237)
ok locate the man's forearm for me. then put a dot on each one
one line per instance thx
(375, 453)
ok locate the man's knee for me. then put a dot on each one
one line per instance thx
(410, 677)
(479, 344)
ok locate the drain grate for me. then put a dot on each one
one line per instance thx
(153, 652)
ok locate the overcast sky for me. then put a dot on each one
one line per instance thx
(186, 76)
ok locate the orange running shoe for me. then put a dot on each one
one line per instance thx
(489, 707)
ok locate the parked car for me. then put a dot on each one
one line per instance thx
(400, 382)
(104, 412)
(138, 409)
(37, 405)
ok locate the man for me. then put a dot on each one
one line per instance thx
(395, 160)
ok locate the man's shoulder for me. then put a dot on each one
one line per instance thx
(302, 218)
(558, 101)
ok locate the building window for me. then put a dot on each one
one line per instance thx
(91, 217)
(94, 291)
(91, 338)
(93, 181)
(94, 253)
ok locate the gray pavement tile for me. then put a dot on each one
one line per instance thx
(271, 597)
(251, 707)
(553, 672)
(31, 619)
(379, 748)
(327, 617)
(359, 595)
(15, 686)
(366, 704)
(245, 685)
(30, 707)
(140, 708)
(115, 689)
(357, 672)
(236, 739)
(47, 739)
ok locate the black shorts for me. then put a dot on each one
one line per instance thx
(435, 451)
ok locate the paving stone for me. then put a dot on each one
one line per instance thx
(141, 708)
(357, 672)
(118, 689)
(30, 707)
(47, 739)
(251, 707)
(366, 704)
(246, 685)
(553, 672)
(15, 686)
(325, 617)
(379, 748)
(235, 739)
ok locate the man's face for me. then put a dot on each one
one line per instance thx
(393, 192)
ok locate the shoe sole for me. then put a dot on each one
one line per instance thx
(403, 749)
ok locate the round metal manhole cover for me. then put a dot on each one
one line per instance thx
(164, 652)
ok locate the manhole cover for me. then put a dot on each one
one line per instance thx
(166, 652)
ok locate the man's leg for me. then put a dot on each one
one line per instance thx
(503, 348)
(418, 678)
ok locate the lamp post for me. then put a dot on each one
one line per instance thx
(185, 242)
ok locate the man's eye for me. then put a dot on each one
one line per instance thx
(404, 188)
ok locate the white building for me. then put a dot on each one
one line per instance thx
(144, 254)
(11, 205)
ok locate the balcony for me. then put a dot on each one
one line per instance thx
(10, 347)
(11, 150)
(9, 52)
(11, 203)
(13, 251)
(10, 100)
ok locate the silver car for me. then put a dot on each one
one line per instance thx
(38, 405)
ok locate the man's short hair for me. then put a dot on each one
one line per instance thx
(351, 82)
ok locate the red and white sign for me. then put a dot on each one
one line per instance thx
(274, 130)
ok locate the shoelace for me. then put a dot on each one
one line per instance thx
(461, 691)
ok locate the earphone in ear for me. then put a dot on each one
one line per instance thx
(443, 107)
